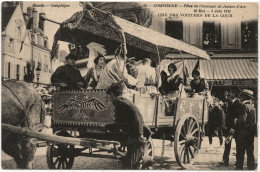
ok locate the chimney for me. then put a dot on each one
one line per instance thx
(29, 11)
(26, 17)
(35, 18)
(41, 21)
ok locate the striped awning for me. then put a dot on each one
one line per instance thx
(222, 69)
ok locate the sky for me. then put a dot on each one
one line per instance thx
(57, 14)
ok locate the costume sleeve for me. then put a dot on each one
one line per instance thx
(57, 75)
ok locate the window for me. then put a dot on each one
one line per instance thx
(9, 70)
(33, 38)
(17, 72)
(249, 34)
(211, 35)
(40, 40)
(10, 45)
(174, 29)
(45, 44)
(19, 33)
(39, 65)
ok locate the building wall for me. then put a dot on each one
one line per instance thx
(11, 43)
(35, 49)
(41, 57)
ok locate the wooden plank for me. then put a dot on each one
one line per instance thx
(56, 139)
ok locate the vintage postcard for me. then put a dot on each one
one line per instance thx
(129, 85)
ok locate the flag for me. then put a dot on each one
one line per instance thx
(28, 27)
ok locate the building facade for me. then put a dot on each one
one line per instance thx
(13, 28)
(21, 63)
(233, 44)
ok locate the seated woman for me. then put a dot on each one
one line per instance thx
(198, 85)
(170, 87)
(170, 84)
(94, 73)
(146, 75)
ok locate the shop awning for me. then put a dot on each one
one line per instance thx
(224, 69)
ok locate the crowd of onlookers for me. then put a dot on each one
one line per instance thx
(234, 116)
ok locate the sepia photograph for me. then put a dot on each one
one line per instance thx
(129, 85)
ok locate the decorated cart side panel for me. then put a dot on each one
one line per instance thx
(79, 107)
(196, 107)
(146, 104)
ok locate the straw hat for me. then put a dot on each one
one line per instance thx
(248, 93)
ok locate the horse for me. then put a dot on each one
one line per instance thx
(21, 106)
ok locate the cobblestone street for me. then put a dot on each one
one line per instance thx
(207, 160)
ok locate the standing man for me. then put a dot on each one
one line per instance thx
(245, 131)
(130, 120)
(234, 111)
(67, 76)
(226, 101)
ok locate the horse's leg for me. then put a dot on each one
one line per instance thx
(28, 151)
(11, 146)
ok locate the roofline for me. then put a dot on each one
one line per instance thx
(10, 18)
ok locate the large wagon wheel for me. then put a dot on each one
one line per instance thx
(186, 140)
(146, 162)
(60, 156)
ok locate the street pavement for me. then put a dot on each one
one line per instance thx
(207, 159)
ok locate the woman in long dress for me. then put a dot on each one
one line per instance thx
(94, 73)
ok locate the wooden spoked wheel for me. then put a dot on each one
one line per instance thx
(186, 141)
(60, 156)
(146, 162)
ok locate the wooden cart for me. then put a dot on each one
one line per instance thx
(79, 116)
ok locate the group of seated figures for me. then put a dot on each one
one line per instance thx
(138, 76)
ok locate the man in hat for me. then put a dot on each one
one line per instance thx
(245, 129)
(67, 76)
(198, 84)
(130, 120)
(233, 112)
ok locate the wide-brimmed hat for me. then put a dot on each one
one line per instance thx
(71, 56)
(116, 87)
(248, 93)
(236, 90)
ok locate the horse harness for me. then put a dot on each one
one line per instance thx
(36, 128)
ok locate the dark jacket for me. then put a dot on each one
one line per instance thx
(217, 117)
(69, 75)
(126, 113)
(234, 111)
(246, 122)
(202, 86)
(90, 75)
(172, 85)
(227, 102)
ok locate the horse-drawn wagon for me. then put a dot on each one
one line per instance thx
(79, 115)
